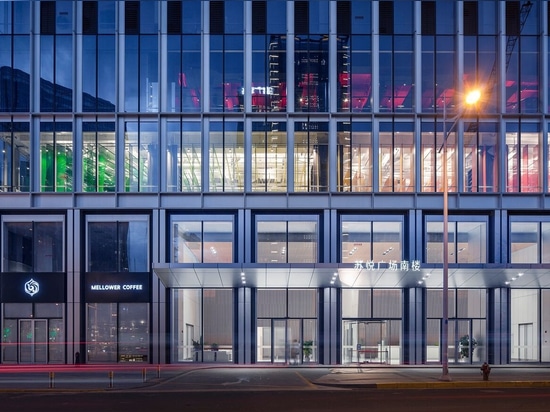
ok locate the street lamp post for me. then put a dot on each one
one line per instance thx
(471, 99)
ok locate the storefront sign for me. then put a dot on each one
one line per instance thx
(401, 266)
(33, 287)
(117, 287)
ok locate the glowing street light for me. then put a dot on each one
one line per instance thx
(470, 99)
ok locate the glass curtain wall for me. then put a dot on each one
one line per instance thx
(480, 157)
(56, 156)
(396, 154)
(197, 239)
(355, 157)
(467, 240)
(226, 156)
(141, 156)
(311, 165)
(269, 157)
(183, 156)
(523, 154)
(33, 245)
(15, 53)
(525, 325)
(98, 156)
(467, 328)
(203, 321)
(371, 326)
(15, 161)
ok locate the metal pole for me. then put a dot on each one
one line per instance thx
(445, 332)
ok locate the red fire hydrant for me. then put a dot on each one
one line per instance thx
(485, 371)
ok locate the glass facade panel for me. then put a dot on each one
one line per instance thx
(56, 157)
(199, 240)
(286, 241)
(98, 157)
(184, 73)
(524, 242)
(118, 246)
(480, 157)
(226, 157)
(183, 157)
(33, 246)
(15, 162)
(269, 157)
(525, 325)
(311, 161)
(523, 154)
(396, 157)
(467, 241)
(98, 80)
(355, 157)
(141, 157)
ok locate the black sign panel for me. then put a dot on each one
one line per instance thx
(117, 287)
(33, 287)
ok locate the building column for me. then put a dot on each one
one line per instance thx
(498, 329)
(414, 326)
(330, 331)
(245, 334)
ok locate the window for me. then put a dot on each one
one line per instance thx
(269, 157)
(15, 163)
(56, 156)
(529, 240)
(200, 239)
(141, 156)
(98, 157)
(523, 154)
(311, 164)
(371, 238)
(183, 156)
(396, 157)
(120, 245)
(287, 240)
(467, 240)
(33, 244)
(226, 151)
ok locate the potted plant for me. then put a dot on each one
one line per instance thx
(464, 346)
(307, 350)
(214, 347)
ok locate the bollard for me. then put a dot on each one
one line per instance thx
(144, 375)
(52, 376)
(111, 379)
(158, 371)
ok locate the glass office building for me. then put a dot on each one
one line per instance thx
(263, 181)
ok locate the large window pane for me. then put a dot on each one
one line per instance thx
(524, 242)
(133, 332)
(14, 157)
(101, 340)
(269, 160)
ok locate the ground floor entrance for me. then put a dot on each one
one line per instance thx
(290, 341)
(371, 341)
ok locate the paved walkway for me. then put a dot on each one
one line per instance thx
(431, 377)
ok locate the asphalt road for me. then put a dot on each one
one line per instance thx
(524, 400)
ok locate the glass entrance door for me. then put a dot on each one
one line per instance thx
(370, 341)
(33, 341)
(288, 341)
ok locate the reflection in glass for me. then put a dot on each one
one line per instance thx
(396, 157)
(481, 157)
(33, 247)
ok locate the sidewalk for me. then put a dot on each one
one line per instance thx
(417, 377)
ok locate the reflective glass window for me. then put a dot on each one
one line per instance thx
(396, 73)
(529, 240)
(433, 158)
(268, 90)
(197, 239)
(15, 72)
(354, 57)
(467, 240)
(184, 73)
(371, 239)
(286, 241)
(33, 246)
(117, 246)
(269, 157)
(98, 81)
(226, 73)
(56, 62)
(311, 72)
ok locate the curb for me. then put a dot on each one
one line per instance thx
(439, 385)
